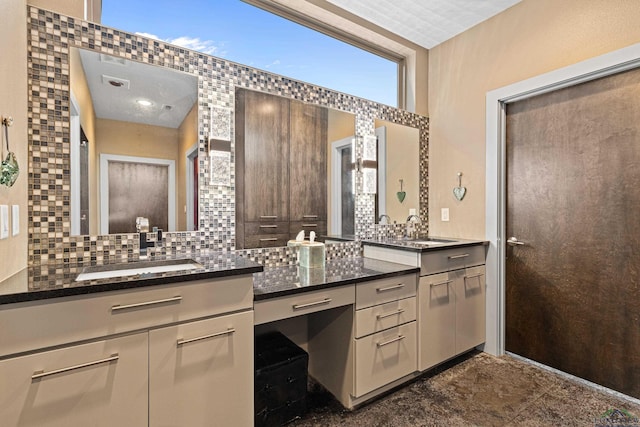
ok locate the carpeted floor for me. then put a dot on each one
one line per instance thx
(475, 390)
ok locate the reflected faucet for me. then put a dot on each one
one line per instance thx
(387, 219)
(412, 232)
(147, 240)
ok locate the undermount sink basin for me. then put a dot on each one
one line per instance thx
(136, 268)
(428, 242)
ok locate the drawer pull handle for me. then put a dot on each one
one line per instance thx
(268, 226)
(395, 313)
(206, 337)
(147, 303)
(311, 304)
(458, 256)
(309, 225)
(268, 217)
(433, 285)
(398, 338)
(41, 374)
(310, 216)
(390, 288)
(270, 239)
(474, 276)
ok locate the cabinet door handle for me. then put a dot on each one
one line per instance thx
(390, 288)
(395, 313)
(309, 225)
(398, 338)
(270, 239)
(310, 216)
(474, 276)
(268, 217)
(433, 285)
(177, 298)
(205, 337)
(41, 374)
(311, 304)
(268, 226)
(458, 256)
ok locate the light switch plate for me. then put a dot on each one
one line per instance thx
(15, 220)
(444, 214)
(4, 221)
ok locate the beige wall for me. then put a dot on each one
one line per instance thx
(531, 38)
(134, 139)
(13, 102)
(403, 148)
(188, 137)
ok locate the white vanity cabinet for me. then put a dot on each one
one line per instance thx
(153, 356)
(385, 332)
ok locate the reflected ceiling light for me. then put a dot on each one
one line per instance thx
(144, 102)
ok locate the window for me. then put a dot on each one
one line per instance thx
(239, 32)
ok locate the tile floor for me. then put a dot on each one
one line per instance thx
(476, 390)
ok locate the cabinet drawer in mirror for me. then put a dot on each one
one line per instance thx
(384, 357)
(265, 227)
(266, 240)
(70, 319)
(451, 259)
(320, 227)
(385, 316)
(384, 290)
(303, 303)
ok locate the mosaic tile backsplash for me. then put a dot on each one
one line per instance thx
(51, 35)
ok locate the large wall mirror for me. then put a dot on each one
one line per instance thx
(398, 194)
(134, 145)
(78, 80)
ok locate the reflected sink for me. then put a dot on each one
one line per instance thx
(136, 268)
(428, 242)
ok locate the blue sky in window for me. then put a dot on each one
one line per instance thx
(243, 33)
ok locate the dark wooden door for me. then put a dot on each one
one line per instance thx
(573, 199)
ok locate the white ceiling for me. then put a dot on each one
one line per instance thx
(162, 86)
(425, 22)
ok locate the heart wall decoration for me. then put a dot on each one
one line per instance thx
(401, 194)
(459, 191)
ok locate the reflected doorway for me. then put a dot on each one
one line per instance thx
(342, 188)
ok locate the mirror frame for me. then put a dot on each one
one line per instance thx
(50, 35)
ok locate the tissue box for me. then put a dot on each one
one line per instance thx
(312, 255)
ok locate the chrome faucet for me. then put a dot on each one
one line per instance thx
(411, 231)
(147, 240)
(388, 219)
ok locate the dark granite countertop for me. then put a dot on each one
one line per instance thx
(280, 281)
(413, 245)
(53, 281)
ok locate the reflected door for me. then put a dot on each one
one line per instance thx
(342, 190)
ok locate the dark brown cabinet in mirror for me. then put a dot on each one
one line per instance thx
(282, 147)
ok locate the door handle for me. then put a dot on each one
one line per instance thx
(513, 241)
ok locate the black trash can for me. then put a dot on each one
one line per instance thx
(280, 388)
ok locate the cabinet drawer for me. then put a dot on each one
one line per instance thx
(451, 259)
(98, 384)
(266, 227)
(384, 316)
(201, 372)
(320, 227)
(265, 240)
(384, 290)
(39, 324)
(384, 357)
(303, 303)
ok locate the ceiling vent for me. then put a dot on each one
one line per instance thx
(112, 59)
(115, 82)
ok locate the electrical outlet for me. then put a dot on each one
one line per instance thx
(444, 214)
(15, 220)
(4, 221)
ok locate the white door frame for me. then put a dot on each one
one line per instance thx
(192, 153)
(335, 227)
(74, 123)
(496, 100)
(381, 134)
(104, 186)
